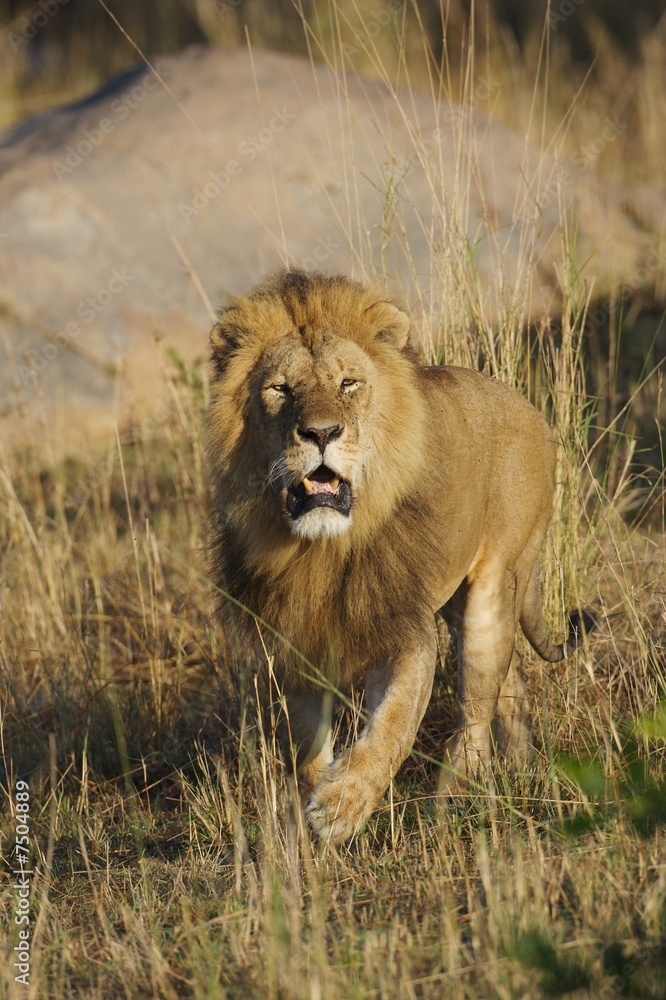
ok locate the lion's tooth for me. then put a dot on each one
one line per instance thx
(308, 485)
(335, 482)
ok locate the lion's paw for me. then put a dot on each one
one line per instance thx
(466, 768)
(341, 803)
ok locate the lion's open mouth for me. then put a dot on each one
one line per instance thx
(322, 488)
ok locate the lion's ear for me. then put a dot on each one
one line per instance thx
(390, 323)
(224, 341)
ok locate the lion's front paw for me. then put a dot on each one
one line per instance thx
(342, 802)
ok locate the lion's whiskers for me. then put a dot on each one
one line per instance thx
(274, 473)
(279, 471)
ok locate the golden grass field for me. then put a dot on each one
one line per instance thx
(170, 858)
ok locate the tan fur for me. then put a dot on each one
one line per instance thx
(451, 479)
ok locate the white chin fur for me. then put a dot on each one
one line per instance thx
(322, 522)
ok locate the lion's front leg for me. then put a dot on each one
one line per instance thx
(397, 696)
(307, 730)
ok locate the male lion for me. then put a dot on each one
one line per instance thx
(355, 493)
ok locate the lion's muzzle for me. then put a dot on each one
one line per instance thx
(321, 488)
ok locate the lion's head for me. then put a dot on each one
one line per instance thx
(315, 420)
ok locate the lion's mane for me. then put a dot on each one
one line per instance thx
(340, 602)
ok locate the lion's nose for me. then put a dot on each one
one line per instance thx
(320, 435)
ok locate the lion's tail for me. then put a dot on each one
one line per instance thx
(534, 627)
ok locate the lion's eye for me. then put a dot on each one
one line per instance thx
(280, 387)
(348, 383)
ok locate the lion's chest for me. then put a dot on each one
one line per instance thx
(340, 616)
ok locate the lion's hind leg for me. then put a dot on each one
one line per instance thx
(483, 619)
(512, 722)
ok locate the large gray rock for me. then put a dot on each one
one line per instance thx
(121, 215)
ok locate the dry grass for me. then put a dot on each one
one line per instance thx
(180, 864)
(171, 858)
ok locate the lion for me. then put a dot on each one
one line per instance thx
(354, 495)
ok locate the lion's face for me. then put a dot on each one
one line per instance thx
(316, 408)
(314, 429)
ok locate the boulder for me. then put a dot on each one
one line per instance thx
(136, 211)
